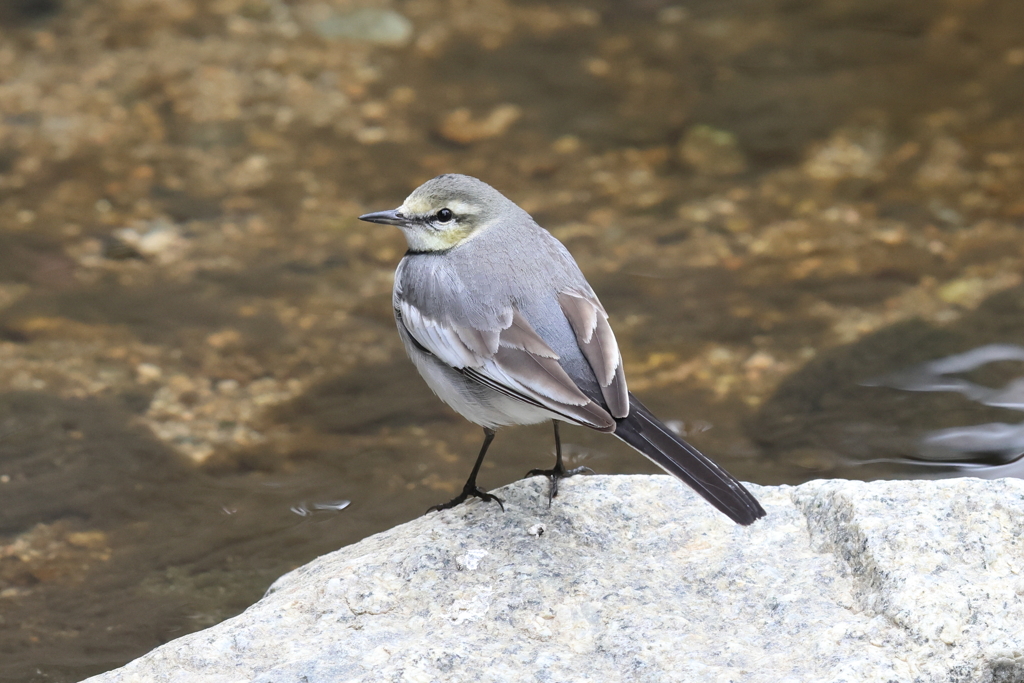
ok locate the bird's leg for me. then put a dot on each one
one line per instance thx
(558, 471)
(471, 489)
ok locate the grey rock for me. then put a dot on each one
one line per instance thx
(634, 578)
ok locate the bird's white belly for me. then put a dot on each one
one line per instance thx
(477, 403)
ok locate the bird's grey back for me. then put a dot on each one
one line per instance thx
(514, 263)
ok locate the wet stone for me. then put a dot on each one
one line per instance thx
(712, 152)
(461, 127)
(373, 25)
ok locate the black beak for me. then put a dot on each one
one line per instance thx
(386, 217)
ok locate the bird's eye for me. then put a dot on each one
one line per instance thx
(445, 215)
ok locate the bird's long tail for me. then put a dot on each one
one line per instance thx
(646, 433)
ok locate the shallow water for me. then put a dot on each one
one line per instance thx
(200, 382)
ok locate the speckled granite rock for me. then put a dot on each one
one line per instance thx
(636, 579)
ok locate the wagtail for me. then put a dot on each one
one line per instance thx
(500, 322)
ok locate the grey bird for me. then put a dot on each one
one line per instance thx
(500, 322)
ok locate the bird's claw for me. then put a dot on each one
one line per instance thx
(556, 474)
(462, 497)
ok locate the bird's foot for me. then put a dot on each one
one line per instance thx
(467, 492)
(555, 475)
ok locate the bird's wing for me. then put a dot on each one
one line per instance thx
(513, 360)
(594, 335)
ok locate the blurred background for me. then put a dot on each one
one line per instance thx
(799, 214)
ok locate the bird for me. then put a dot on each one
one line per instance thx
(503, 326)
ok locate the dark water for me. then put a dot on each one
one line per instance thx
(118, 533)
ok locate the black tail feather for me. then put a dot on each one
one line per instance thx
(646, 433)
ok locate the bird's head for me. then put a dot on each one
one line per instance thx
(445, 212)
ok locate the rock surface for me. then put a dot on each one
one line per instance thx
(633, 578)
